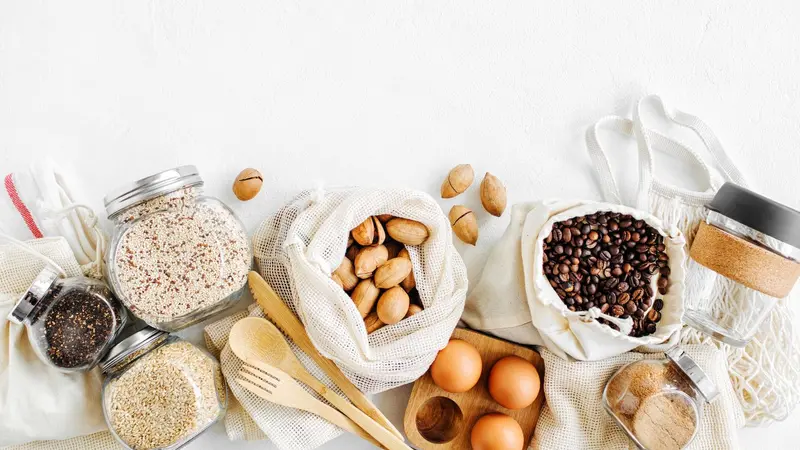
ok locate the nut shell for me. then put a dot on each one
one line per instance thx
(458, 180)
(392, 273)
(247, 184)
(373, 323)
(337, 280)
(370, 258)
(407, 231)
(393, 305)
(393, 247)
(464, 224)
(384, 217)
(413, 309)
(364, 296)
(493, 195)
(347, 274)
(409, 282)
(369, 232)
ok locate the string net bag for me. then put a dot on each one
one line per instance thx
(296, 250)
(766, 372)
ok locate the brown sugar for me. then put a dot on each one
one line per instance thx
(665, 421)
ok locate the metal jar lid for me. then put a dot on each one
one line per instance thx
(150, 187)
(140, 340)
(36, 292)
(694, 373)
(758, 212)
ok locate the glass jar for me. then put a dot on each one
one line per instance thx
(71, 321)
(747, 255)
(659, 403)
(176, 256)
(161, 392)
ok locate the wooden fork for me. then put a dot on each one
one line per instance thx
(276, 386)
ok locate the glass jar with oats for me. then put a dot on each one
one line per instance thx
(160, 392)
(176, 256)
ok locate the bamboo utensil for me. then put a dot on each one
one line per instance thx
(258, 342)
(286, 321)
(283, 390)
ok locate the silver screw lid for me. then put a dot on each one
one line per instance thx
(139, 340)
(694, 373)
(36, 292)
(150, 187)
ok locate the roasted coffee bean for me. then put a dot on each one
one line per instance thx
(654, 316)
(658, 305)
(650, 328)
(607, 260)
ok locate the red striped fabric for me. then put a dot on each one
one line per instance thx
(21, 208)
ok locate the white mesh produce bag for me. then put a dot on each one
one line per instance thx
(297, 249)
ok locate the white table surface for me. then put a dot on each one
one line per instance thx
(389, 93)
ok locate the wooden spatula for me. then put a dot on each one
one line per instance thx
(284, 318)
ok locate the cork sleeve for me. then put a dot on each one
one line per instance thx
(744, 262)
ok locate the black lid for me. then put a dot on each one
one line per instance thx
(758, 212)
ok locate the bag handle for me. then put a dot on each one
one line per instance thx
(30, 250)
(648, 139)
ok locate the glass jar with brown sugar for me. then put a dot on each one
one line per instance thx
(659, 403)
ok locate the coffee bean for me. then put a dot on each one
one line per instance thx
(606, 260)
(650, 328)
(658, 305)
(663, 282)
(654, 315)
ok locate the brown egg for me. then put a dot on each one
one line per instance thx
(514, 382)
(457, 367)
(497, 432)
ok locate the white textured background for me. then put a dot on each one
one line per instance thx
(389, 93)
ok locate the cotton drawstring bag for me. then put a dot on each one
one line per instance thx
(38, 402)
(495, 303)
(765, 373)
(38, 203)
(574, 418)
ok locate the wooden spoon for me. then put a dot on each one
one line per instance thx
(257, 339)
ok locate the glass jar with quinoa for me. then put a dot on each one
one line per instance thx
(71, 321)
(177, 256)
(160, 392)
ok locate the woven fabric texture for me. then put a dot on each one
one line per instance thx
(574, 417)
(49, 405)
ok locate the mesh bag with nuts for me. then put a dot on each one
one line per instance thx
(592, 280)
(373, 276)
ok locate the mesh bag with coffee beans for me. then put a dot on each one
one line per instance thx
(588, 280)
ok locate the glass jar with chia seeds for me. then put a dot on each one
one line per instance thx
(71, 321)
(160, 392)
(659, 403)
(176, 256)
(747, 254)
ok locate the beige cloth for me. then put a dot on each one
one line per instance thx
(36, 401)
(531, 312)
(574, 417)
(252, 418)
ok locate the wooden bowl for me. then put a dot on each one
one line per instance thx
(440, 420)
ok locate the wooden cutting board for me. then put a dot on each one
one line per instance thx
(439, 420)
